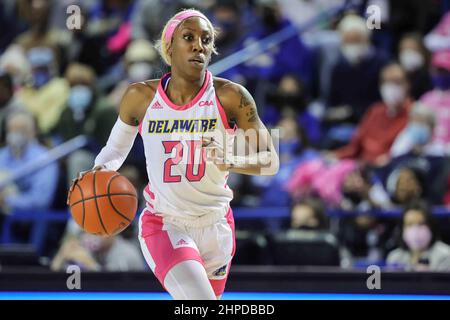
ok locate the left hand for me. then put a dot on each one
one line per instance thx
(214, 153)
(79, 177)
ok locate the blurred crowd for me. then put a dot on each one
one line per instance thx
(364, 116)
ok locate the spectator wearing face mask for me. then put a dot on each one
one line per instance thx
(438, 100)
(95, 253)
(294, 149)
(14, 62)
(354, 79)
(309, 214)
(363, 190)
(382, 123)
(8, 102)
(140, 63)
(41, 32)
(45, 97)
(417, 133)
(86, 113)
(407, 183)
(226, 17)
(273, 64)
(35, 191)
(414, 58)
(419, 248)
(290, 96)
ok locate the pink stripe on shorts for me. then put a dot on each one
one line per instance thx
(161, 250)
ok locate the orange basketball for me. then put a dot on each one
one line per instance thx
(103, 202)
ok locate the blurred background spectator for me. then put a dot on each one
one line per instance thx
(8, 102)
(415, 58)
(438, 101)
(95, 253)
(309, 214)
(35, 191)
(86, 113)
(46, 95)
(419, 245)
(382, 123)
(417, 133)
(353, 80)
(140, 64)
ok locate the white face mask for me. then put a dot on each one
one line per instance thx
(16, 140)
(140, 71)
(392, 95)
(411, 59)
(354, 52)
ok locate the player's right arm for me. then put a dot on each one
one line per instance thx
(132, 110)
(121, 139)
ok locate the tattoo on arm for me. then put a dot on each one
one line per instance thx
(251, 115)
(245, 101)
(250, 108)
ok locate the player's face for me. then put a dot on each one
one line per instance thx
(192, 46)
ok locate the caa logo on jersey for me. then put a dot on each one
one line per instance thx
(205, 103)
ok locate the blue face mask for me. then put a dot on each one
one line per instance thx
(40, 78)
(441, 81)
(419, 133)
(79, 100)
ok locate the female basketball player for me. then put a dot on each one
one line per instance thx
(187, 229)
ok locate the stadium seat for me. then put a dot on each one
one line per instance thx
(18, 255)
(251, 248)
(304, 248)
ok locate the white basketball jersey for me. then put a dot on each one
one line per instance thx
(182, 186)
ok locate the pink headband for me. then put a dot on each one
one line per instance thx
(175, 21)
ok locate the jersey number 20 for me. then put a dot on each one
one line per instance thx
(193, 145)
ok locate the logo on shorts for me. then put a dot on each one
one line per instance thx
(181, 242)
(221, 271)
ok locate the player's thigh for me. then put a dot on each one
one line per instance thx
(165, 245)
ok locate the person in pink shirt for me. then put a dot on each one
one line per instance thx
(438, 100)
(439, 38)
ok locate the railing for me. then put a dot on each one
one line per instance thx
(51, 156)
(39, 219)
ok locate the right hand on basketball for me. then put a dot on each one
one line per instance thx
(80, 176)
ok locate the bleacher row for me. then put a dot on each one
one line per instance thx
(262, 237)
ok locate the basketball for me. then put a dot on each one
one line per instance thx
(103, 202)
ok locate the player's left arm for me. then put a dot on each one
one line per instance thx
(240, 106)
